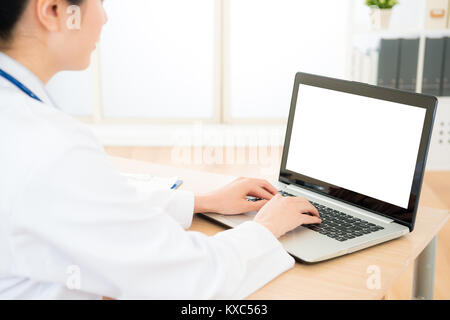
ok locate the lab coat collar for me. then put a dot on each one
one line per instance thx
(25, 76)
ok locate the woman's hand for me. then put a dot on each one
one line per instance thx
(283, 214)
(232, 198)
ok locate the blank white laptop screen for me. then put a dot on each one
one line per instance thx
(362, 144)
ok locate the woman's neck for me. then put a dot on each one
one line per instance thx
(35, 59)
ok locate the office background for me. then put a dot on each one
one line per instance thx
(228, 63)
(182, 73)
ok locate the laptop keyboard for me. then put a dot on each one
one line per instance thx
(338, 225)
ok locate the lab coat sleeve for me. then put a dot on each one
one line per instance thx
(179, 204)
(76, 213)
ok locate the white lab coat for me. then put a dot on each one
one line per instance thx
(72, 228)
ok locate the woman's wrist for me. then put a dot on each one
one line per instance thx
(203, 203)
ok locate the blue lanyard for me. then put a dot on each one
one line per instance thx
(19, 85)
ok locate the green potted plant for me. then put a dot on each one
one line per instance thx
(381, 12)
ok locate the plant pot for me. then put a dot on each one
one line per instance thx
(380, 18)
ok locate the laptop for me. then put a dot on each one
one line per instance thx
(357, 152)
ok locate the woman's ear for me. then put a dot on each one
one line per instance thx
(50, 13)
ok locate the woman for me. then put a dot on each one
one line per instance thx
(71, 227)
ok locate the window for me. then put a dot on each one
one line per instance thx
(210, 60)
(271, 40)
(157, 59)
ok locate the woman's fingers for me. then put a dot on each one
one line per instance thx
(255, 205)
(260, 192)
(311, 209)
(262, 183)
(310, 219)
(307, 207)
(269, 187)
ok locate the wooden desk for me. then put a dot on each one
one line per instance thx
(341, 278)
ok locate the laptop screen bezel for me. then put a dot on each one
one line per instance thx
(427, 102)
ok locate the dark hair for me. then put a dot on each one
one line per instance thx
(10, 13)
